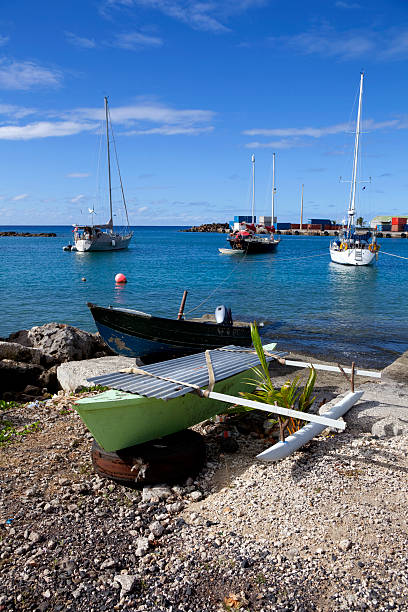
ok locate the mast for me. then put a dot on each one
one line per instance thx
(352, 208)
(273, 190)
(301, 210)
(253, 187)
(109, 167)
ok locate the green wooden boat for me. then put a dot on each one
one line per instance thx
(118, 418)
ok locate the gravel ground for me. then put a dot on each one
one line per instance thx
(325, 529)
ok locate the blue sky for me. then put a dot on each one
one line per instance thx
(194, 89)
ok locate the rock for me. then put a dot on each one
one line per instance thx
(156, 528)
(19, 352)
(195, 495)
(142, 547)
(49, 379)
(389, 427)
(74, 374)
(127, 583)
(345, 545)
(108, 563)
(61, 342)
(15, 376)
(155, 493)
(398, 370)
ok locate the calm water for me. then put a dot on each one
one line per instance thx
(307, 304)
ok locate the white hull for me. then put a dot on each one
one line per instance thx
(105, 242)
(352, 256)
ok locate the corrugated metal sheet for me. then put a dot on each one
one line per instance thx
(191, 369)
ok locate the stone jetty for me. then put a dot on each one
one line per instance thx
(221, 228)
(29, 234)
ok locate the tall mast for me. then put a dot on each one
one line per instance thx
(352, 208)
(109, 167)
(273, 190)
(253, 188)
(301, 210)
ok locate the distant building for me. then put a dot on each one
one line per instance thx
(383, 220)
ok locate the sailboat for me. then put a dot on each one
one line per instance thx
(255, 239)
(355, 249)
(104, 237)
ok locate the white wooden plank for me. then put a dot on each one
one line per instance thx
(328, 368)
(296, 414)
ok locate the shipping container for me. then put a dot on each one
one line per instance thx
(320, 222)
(295, 226)
(283, 226)
(384, 227)
(397, 228)
(399, 220)
(314, 226)
(243, 218)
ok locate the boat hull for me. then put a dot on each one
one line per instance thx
(117, 419)
(103, 243)
(255, 246)
(352, 257)
(137, 334)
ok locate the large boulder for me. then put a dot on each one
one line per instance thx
(398, 370)
(61, 342)
(15, 376)
(19, 352)
(74, 374)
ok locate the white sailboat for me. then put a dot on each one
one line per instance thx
(355, 249)
(104, 237)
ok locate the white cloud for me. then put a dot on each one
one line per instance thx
(16, 112)
(77, 175)
(142, 209)
(133, 41)
(207, 16)
(168, 130)
(42, 129)
(291, 136)
(347, 5)
(26, 75)
(277, 144)
(326, 41)
(77, 198)
(3, 40)
(80, 41)
(21, 196)
(142, 118)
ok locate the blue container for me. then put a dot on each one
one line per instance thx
(320, 222)
(243, 219)
(283, 226)
(406, 227)
(383, 227)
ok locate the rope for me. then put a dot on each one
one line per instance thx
(217, 287)
(201, 392)
(392, 255)
(233, 270)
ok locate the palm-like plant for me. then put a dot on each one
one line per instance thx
(290, 395)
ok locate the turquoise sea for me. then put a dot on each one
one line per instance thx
(307, 303)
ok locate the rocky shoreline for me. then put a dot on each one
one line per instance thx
(221, 228)
(29, 234)
(324, 529)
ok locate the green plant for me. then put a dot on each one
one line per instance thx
(4, 405)
(8, 432)
(290, 395)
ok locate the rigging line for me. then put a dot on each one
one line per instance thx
(233, 270)
(392, 255)
(217, 287)
(117, 165)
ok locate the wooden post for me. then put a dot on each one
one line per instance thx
(183, 301)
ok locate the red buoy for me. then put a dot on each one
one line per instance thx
(120, 278)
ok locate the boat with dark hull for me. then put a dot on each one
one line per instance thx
(253, 243)
(137, 334)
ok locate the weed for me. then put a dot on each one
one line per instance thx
(7, 405)
(8, 432)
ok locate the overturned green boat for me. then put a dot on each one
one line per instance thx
(163, 398)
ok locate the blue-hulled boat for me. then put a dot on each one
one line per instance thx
(137, 334)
